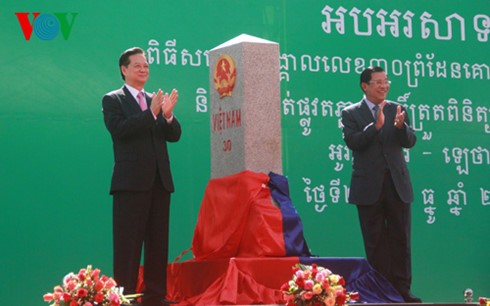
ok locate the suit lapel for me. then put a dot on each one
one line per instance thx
(148, 100)
(129, 102)
(366, 113)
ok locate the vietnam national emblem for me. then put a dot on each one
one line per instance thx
(224, 75)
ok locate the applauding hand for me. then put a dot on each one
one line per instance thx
(169, 102)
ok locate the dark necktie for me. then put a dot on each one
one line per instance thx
(375, 111)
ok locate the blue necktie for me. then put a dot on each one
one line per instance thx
(375, 111)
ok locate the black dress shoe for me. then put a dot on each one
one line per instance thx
(410, 298)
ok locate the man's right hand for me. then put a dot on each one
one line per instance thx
(380, 120)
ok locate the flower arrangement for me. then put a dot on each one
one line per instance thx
(88, 288)
(316, 286)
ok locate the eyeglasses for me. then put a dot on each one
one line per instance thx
(380, 82)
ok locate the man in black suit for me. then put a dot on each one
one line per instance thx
(141, 179)
(376, 131)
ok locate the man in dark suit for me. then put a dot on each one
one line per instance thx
(376, 131)
(140, 125)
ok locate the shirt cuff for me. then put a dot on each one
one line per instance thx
(169, 120)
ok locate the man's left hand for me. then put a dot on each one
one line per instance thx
(400, 117)
(169, 102)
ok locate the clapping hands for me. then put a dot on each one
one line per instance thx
(164, 103)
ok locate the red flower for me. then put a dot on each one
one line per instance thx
(99, 285)
(354, 296)
(285, 287)
(300, 282)
(342, 281)
(89, 282)
(48, 297)
(308, 295)
(98, 297)
(325, 284)
(73, 303)
(57, 296)
(340, 300)
(82, 292)
(110, 283)
(95, 274)
(314, 271)
(66, 297)
(71, 285)
(114, 299)
(82, 274)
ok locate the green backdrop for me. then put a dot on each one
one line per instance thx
(56, 153)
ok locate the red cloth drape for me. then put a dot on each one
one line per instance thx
(230, 281)
(238, 219)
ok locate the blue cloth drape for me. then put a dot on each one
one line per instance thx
(294, 239)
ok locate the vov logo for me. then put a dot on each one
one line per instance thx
(46, 26)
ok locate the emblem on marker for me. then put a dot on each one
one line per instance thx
(224, 75)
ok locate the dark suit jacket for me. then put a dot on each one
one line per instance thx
(375, 151)
(139, 142)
